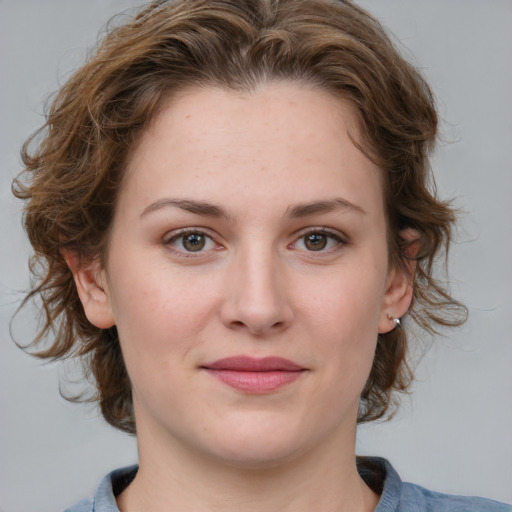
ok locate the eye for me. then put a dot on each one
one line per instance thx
(190, 242)
(318, 240)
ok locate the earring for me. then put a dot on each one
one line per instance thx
(396, 321)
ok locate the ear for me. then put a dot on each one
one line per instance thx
(399, 291)
(91, 284)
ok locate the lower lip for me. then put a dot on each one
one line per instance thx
(256, 382)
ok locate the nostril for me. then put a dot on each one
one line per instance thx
(255, 329)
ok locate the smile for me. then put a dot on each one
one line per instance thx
(253, 375)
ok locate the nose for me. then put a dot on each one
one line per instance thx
(258, 297)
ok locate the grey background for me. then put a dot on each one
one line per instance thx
(454, 433)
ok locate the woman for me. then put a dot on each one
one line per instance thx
(231, 200)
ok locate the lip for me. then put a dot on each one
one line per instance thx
(255, 375)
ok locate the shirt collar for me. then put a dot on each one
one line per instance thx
(375, 471)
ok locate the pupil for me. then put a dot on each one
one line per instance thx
(194, 242)
(316, 242)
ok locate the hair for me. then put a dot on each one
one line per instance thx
(73, 165)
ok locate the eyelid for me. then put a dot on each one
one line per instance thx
(173, 235)
(340, 237)
(176, 234)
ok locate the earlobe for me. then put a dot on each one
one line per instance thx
(399, 287)
(91, 285)
(397, 300)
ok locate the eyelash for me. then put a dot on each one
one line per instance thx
(332, 235)
(181, 234)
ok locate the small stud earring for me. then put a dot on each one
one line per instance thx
(396, 321)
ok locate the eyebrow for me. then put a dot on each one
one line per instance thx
(318, 207)
(211, 210)
(193, 206)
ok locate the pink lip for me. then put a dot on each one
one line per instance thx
(255, 375)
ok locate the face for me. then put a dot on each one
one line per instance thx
(247, 274)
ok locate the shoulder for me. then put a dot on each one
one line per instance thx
(83, 506)
(104, 499)
(398, 496)
(416, 498)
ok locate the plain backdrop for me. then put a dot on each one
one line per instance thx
(454, 433)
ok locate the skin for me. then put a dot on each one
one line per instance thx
(256, 288)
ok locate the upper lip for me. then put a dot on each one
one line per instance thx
(253, 364)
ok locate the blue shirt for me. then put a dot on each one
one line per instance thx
(395, 495)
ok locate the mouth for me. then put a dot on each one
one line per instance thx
(255, 375)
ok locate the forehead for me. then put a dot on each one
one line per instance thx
(199, 112)
(282, 140)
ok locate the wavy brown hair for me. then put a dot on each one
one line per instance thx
(74, 164)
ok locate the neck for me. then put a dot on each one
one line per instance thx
(322, 479)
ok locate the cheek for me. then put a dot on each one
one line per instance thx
(346, 300)
(343, 317)
(159, 313)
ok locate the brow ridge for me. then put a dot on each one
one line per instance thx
(318, 207)
(211, 210)
(189, 205)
